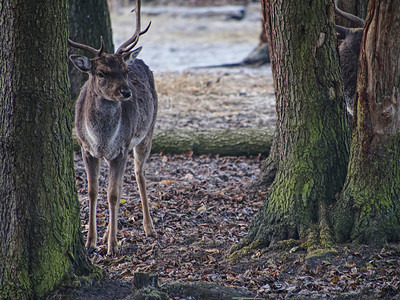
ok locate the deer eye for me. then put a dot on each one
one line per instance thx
(100, 74)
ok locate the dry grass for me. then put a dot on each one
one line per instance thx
(203, 99)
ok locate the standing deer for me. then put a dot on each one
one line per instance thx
(115, 112)
(349, 50)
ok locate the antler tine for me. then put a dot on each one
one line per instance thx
(96, 52)
(130, 43)
(129, 48)
(360, 22)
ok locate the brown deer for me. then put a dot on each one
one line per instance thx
(115, 112)
(349, 50)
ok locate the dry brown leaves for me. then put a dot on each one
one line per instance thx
(199, 206)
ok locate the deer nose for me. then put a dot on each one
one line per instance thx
(125, 93)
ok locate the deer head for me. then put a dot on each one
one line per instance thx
(108, 73)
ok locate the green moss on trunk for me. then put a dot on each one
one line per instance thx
(40, 228)
(310, 150)
(368, 209)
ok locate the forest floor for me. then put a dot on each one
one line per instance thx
(201, 206)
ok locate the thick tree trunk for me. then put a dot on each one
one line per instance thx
(88, 20)
(40, 232)
(310, 150)
(368, 209)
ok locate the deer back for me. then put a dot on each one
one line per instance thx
(349, 50)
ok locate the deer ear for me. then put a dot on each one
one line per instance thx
(131, 56)
(341, 32)
(82, 63)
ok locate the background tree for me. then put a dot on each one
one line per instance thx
(369, 208)
(40, 231)
(309, 155)
(88, 20)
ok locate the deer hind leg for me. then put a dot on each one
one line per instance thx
(117, 168)
(92, 167)
(142, 152)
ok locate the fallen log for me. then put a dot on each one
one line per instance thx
(225, 142)
(248, 141)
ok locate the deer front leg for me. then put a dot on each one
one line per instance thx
(141, 154)
(92, 167)
(117, 168)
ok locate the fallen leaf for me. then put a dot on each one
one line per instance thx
(335, 279)
(202, 209)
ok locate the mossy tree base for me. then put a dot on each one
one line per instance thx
(309, 155)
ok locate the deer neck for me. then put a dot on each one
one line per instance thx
(102, 111)
(103, 125)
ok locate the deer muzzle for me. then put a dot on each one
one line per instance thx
(126, 93)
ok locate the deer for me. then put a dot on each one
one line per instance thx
(349, 51)
(115, 112)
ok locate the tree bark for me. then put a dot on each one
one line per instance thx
(88, 21)
(310, 150)
(40, 232)
(368, 208)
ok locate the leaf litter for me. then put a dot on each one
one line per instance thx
(201, 208)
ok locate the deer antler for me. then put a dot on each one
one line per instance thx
(96, 52)
(127, 46)
(360, 22)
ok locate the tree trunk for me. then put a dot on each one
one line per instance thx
(88, 20)
(310, 149)
(368, 209)
(40, 232)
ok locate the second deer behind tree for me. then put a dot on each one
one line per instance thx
(115, 112)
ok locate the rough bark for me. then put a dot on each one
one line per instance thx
(368, 208)
(88, 20)
(41, 240)
(310, 150)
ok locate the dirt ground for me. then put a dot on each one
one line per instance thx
(200, 205)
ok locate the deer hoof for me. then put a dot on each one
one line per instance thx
(90, 244)
(150, 232)
(112, 250)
